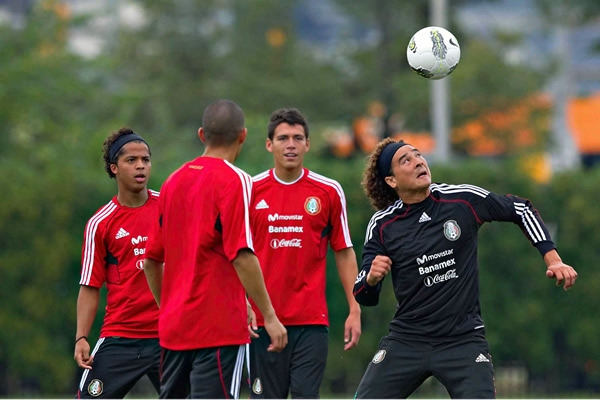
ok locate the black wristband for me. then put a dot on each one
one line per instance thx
(80, 337)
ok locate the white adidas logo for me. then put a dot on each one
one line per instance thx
(481, 358)
(424, 218)
(121, 234)
(262, 205)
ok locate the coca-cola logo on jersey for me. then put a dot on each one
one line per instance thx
(439, 278)
(279, 243)
(139, 264)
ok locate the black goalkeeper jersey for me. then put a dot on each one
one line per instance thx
(433, 248)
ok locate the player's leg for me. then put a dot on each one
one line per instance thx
(116, 368)
(269, 371)
(308, 361)
(465, 368)
(175, 374)
(217, 372)
(151, 354)
(397, 369)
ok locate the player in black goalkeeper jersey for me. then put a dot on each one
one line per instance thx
(425, 234)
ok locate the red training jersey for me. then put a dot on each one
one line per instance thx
(203, 224)
(113, 254)
(293, 223)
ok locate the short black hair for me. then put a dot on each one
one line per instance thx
(290, 116)
(222, 122)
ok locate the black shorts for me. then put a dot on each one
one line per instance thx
(298, 369)
(118, 364)
(212, 373)
(399, 367)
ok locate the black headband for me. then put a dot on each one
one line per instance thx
(120, 142)
(384, 162)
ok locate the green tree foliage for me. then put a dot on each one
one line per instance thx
(46, 152)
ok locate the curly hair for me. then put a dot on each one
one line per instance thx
(380, 194)
(106, 148)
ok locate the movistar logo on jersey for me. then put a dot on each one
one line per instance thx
(277, 217)
(138, 240)
(426, 258)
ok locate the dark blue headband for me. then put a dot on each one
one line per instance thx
(122, 141)
(384, 162)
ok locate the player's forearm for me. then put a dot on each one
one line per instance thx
(87, 306)
(364, 293)
(248, 270)
(552, 258)
(154, 274)
(348, 270)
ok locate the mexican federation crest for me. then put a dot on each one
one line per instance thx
(95, 388)
(451, 230)
(312, 205)
(379, 356)
(257, 386)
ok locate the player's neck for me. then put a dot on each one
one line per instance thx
(225, 153)
(414, 197)
(132, 199)
(288, 175)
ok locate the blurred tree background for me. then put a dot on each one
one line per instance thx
(57, 105)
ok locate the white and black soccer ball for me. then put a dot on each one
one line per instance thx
(433, 52)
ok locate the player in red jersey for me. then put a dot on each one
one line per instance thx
(295, 215)
(113, 255)
(203, 236)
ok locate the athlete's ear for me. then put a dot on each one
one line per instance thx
(391, 181)
(114, 168)
(243, 135)
(307, 144)
(201, 135)
(269, 145)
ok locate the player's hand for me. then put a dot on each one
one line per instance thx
(277, 333)
(352, 330)
(252, 325)
(380, 267)
(82, 354)
(562, 273)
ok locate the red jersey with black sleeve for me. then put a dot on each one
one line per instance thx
(433, 248)
(293, 224)
(113, 254)
(203, 223)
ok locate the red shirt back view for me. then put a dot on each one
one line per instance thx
(203, 223)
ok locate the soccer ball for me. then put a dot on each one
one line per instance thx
(433, 52)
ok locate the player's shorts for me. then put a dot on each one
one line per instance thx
(463, 365)
(118, 364)
(298, 369)
(212, 373)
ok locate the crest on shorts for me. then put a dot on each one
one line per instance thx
(451, 230)
(257, 386)
(96, 387)
(379, 356)
(312, 205)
